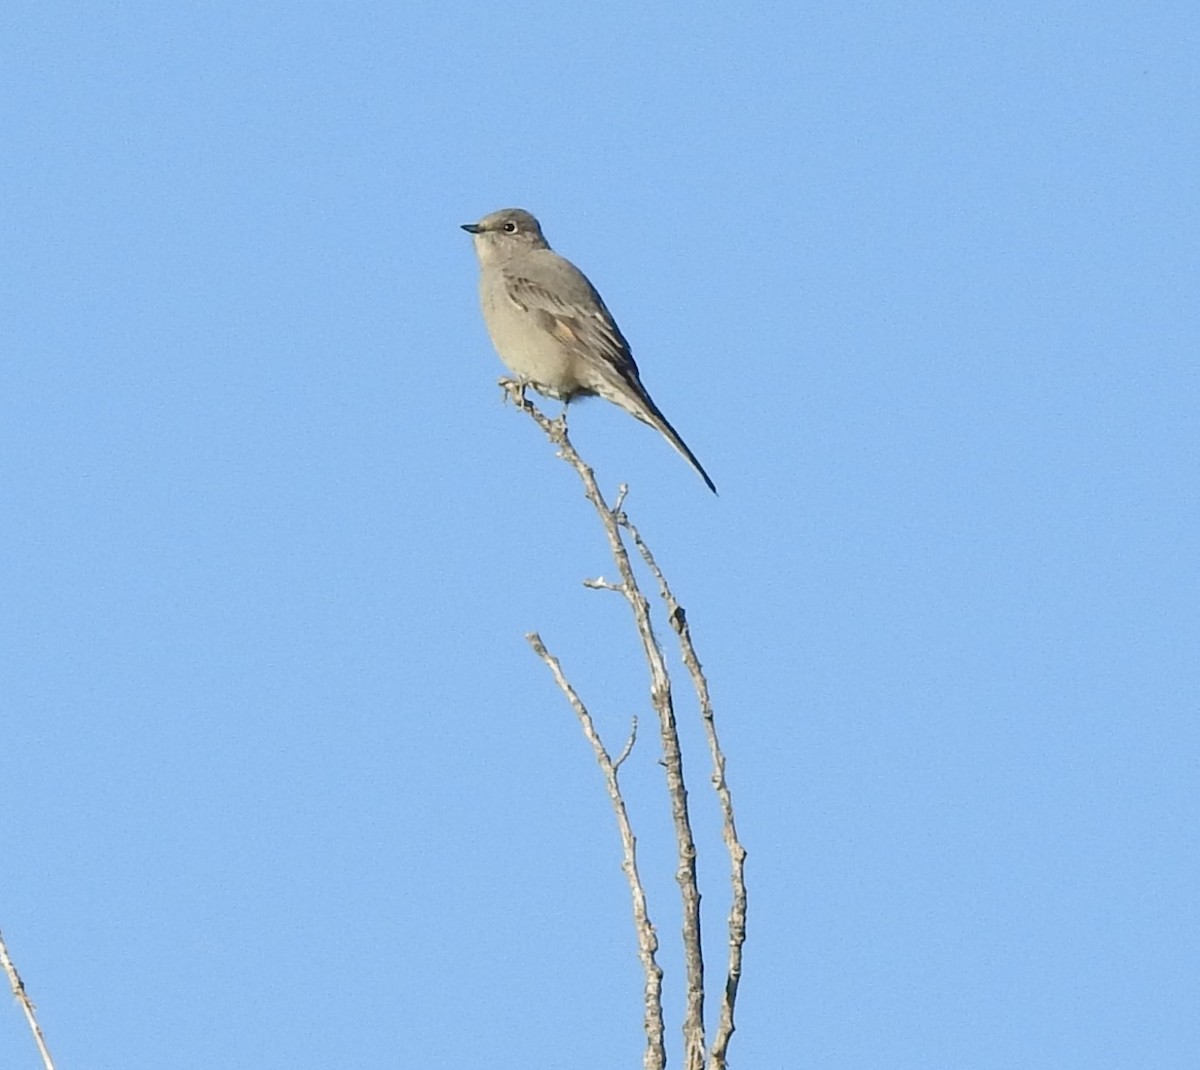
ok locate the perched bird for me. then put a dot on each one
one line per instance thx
(551, 327)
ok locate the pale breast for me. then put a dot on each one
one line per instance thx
(524, 344)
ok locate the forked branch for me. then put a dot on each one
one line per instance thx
(614, 521)
(737, 853)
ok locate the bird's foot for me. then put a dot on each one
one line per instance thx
(561, 418)
(514, 390)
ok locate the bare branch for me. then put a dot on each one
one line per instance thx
(18, 990)
(655, 1057)
(737, 853)
(660, 696)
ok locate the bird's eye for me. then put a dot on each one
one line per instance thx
(510, 227)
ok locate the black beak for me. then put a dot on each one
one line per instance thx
(472, 228)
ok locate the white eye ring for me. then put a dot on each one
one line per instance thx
(510, 227)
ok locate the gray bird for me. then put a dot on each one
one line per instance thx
(550, 326)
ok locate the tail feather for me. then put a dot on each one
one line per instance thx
(672, 436)
(634, 399)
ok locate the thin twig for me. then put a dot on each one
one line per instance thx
(737, 853)
(18, 989)
(601, 584)
(661, 698)
(655, 1057)
(627, 750)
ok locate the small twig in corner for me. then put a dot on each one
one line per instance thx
(18, 990)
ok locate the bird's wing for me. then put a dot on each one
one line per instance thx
(572, 311)
(575, 314)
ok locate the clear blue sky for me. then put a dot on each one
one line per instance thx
(918, 283)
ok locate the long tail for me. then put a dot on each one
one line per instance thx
(637, 402)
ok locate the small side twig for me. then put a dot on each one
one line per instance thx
(601, 584)
(18, 990)
(655, 1057)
